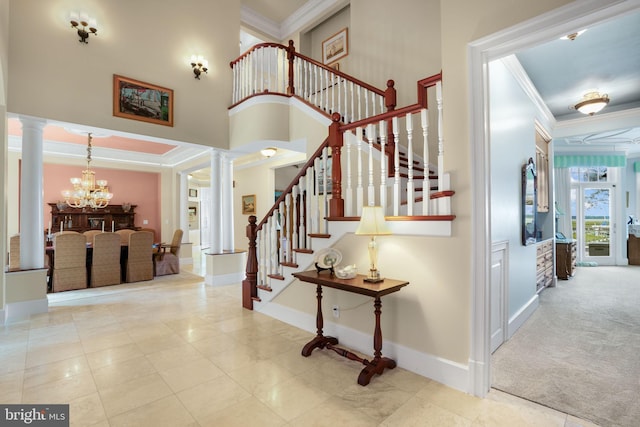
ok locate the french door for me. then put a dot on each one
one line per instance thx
(592, 212)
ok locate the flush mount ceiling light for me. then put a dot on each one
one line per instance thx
(592, 102)
(573, 36)
(268, 152)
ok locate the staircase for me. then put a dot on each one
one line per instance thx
(383, 162)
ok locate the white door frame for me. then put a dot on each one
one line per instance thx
(564, 20)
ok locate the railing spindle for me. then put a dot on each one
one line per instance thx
(410, 188)
(426, 184)
(396, 167)
(370, 188)
(383, 171)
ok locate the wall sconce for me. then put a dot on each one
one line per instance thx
(199, 65)
(592, 102)
(268, 152)
(82, 20)
(372, 223)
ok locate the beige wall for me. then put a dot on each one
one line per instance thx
(4, 173)
(53, 76)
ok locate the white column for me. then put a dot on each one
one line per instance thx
(216, 203)
(184, 203)
(31, 199)
(227, 196)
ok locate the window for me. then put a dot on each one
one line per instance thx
(589, 174)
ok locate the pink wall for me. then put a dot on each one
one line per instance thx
(138, 188)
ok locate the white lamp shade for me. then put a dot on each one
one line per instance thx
(372, 222)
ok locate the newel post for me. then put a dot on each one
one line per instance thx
(291, 50)
(390, 103)
(250, 283)
(336, 203)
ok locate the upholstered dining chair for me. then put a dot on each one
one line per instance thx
(69, 262)
(124, 235)
(14, 252)
(167, 260)
(105, 262)
(90, 234)
(140, 257)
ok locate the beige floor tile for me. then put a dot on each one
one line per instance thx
(173, 357)
(122, 371)
(86, 410)
(290, 398)
(236, 358)
(205, 399)
(106, 357)
(577, 422)
(159, 343)
(190, 373)
(334, 412)
(293, 361)
(53, 353)
(14, 362)
(218, 344)
(167, 411)
(103, 341)
(378, 400)
(245, 413)
(60, 391)
(460, 403)
(11, 387)
(133, 394)
(55, 371)
(404, 380)
(146, 331)
(263, 373)
(419, 412)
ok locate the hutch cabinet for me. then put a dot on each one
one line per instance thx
(64, 217)
(566, 253)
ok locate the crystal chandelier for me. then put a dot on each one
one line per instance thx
(87, 191)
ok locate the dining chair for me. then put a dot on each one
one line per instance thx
(140, 257)
(90, 234)
(167, 260)
(105, 261)
(69, 262)
(124, 235)
(14, 252)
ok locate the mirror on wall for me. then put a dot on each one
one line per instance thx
(529, 205)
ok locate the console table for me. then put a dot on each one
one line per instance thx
(359, 286)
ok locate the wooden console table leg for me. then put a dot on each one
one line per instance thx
(379, 363)
(319, 341)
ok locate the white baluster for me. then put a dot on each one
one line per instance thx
(333, 93)
(359, 102)
(288, 201)
(274, 244)
(294, 222)
(440, 138)
(366, 103)
(315, 81)
(309, 213)
(352, 117)
(283, 70)
(371, 198)
(348, 200)
(426, 184)
(396, 168)
(347, 113)
(410, 187)
(383, 164)
(315, 213)
(284, 227)
(359, 188)
(326, 90)
(325, 182)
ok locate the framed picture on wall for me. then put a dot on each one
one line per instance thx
(249, 204)
(335, 47)
(133, 99)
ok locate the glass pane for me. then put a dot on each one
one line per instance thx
(596, 221)
(574, 214)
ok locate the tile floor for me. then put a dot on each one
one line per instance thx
(174, 352)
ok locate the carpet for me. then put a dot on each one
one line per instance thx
(579, 352)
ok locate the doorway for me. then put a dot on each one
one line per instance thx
(592, 211)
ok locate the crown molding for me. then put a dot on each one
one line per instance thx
(252, 18)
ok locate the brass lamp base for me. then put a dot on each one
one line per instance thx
(373, 277)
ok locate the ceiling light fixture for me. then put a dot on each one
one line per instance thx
(268, 152)
(84, 191)
(592, 102)
(573, 36)
(199, 65)
(79, 20)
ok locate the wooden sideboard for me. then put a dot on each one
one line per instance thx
(566, 252)
(83, 219)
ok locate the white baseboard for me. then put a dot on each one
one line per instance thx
(522, 315)
(22, 310)
(447, 372)
(223, 279)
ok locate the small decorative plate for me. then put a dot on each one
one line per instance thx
(328, 257)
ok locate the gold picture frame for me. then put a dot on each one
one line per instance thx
(249, 204)
(136, 100)
(335, 47)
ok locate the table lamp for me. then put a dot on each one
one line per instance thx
(372, 223)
